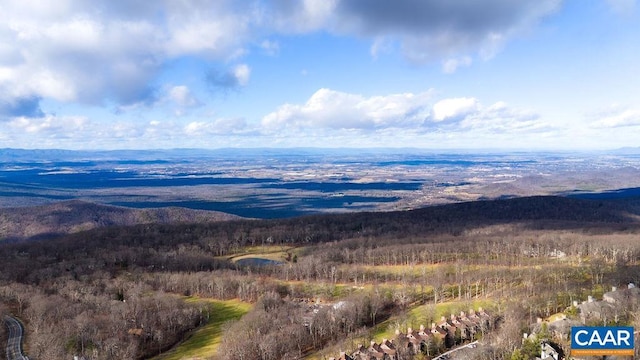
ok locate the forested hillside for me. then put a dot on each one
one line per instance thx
(128, 292)
(65, 217)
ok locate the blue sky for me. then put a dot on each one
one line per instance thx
(440, 74)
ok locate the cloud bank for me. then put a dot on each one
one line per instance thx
(442, 29)
(334, 111)
(113, 51)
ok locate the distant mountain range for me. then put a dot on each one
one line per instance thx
(56, 155)
(27, 155)
(73, 216)
(627, 151)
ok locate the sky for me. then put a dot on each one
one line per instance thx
(436, 74)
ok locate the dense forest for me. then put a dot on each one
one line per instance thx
(123, 292)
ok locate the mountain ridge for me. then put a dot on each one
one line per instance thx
(71, 216)
(74, 216)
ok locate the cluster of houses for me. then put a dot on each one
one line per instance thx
(442, 335)
(612, 306)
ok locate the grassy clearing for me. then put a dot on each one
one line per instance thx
(204, 342)
(278, 256)
(555, 317)
(414, 270)
(425, 269)
(327, 291)
(447, 308)
(269, 252)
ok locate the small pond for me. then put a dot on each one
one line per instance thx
(255, 261)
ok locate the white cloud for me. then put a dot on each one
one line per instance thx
(75, 53)
(332, 109)
(450, 66)
(242, 73)
(300, 16)
(110, 51)
(207, 36)
(271, 48)
(381, 45)
(468, 115)
(454, 109)
(49, 125)
(331, 114)
(327, 118)
(222, 126)
(183, 97)
(616, 117)
(500, 118)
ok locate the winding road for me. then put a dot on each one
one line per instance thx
(14, 339)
